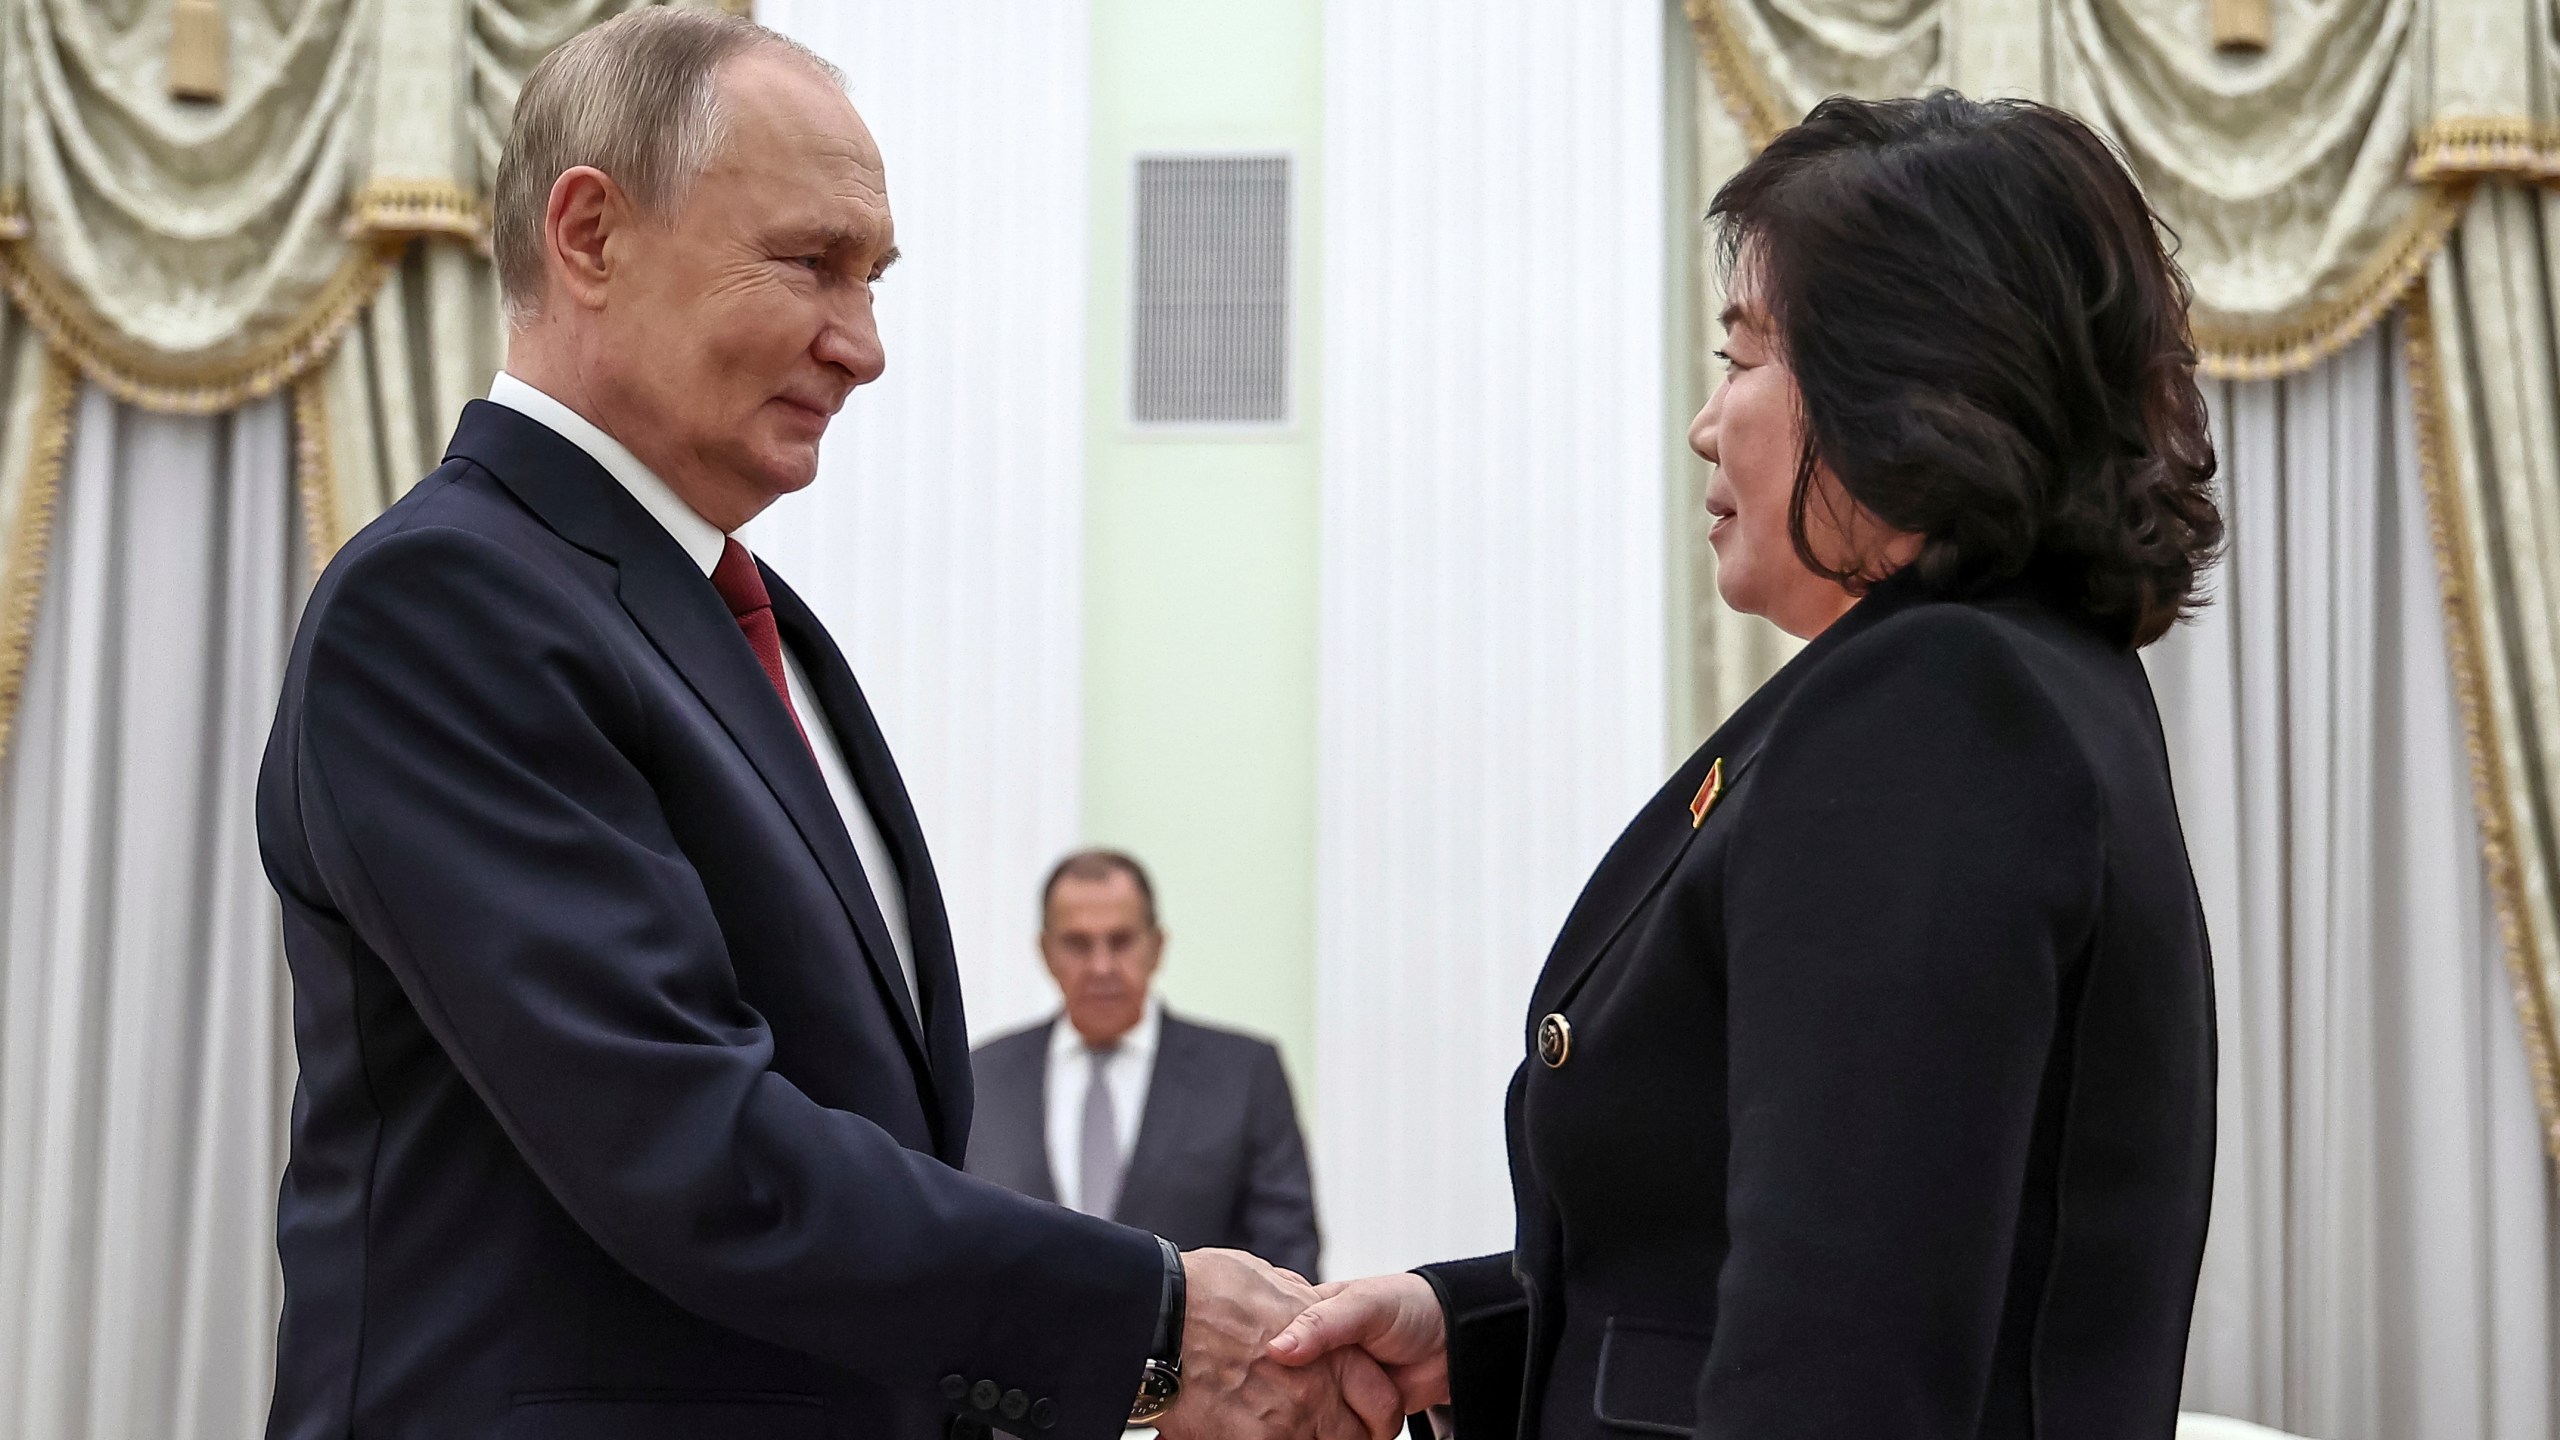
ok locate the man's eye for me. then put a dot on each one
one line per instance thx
(812, 262)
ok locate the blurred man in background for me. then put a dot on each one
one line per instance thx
(1121, 1111)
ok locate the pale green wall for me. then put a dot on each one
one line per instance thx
(1200, 552)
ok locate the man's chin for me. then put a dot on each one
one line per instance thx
(789, 469)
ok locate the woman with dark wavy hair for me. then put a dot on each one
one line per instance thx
(1869, 1087)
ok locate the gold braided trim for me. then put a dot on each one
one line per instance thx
(2317, 331)
(191, 385)
(2448, 525)
(418, 207)
(315, 476)
(2506, 145)
(31, 533)
(13, 215)
(1737, 77)
(745, 8)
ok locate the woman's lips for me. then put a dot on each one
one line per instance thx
(1721, 516)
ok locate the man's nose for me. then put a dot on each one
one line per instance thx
(851, 342)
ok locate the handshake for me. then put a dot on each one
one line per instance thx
(1264, 1354)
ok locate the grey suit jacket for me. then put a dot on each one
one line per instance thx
(1219, 1160)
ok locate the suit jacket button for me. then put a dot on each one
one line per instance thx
(985, 1394)
(1044, 1413)
(1555, 1041)
(955, 1388)
(1015, 1403)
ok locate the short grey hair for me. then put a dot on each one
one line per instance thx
(637, 98)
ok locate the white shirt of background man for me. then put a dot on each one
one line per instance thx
(702, 542)
(1130, 1071)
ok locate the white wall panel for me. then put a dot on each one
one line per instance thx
(943, 541)
(1492, 688)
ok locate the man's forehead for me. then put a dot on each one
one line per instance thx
(1100, 900)
(823, 181)
(783, 111)
(1093, 889)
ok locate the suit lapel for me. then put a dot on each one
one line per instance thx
(875, 772)
(675, 606)
(1652, 844)
(683, 616)
(1645, 855)
(1162, 1125)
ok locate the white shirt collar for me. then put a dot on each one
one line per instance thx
(701, 540)
(1139, 1043)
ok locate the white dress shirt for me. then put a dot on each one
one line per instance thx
(702, 542)
(1128, 1072)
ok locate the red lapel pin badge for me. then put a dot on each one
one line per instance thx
(1710, 790)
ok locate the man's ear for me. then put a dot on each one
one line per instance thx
(586, 208)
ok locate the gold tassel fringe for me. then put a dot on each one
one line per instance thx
(315, 477)
(31, 534)
(188, 386)
(2448, 526)
(1738, 82)
(2322, 329)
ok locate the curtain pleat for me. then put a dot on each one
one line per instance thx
(144, 1071)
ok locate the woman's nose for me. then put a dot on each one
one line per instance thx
(1702, 431)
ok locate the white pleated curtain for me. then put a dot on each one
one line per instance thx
(2380, 1262)
(145, 1063)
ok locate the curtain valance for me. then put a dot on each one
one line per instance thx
(191, 255)
(2308, 183)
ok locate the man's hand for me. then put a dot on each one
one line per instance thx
(1231, 1384)
(1393, 1319)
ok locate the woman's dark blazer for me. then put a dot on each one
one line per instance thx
(1888, 1109)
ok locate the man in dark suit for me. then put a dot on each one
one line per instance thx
(1128, 1113)
(634, 1078)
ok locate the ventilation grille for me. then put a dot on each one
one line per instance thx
(1210, 300)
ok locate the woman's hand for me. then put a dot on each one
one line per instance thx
(1233, 1386)
(1396, 1318)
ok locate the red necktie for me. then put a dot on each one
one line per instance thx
(741, 586)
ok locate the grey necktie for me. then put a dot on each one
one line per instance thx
(1101, 1147)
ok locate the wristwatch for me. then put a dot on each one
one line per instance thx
(1161, 1382)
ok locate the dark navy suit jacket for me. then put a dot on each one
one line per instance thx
(1218, 1160)
(1888, 1105)
(615, 1116)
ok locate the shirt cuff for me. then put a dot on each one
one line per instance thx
(1167, 1345)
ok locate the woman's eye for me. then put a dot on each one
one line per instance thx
(1726, 359)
